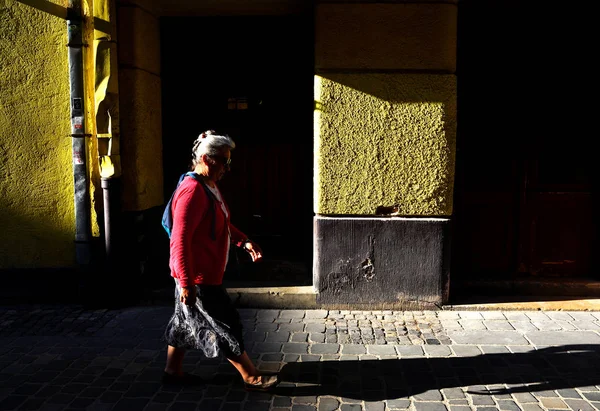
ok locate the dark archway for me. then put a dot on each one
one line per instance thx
(252, 78)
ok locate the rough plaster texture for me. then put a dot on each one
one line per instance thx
(384, 140)
(386, 36)
(140, 109)
(141, 139)
(139, 39)
(36, 183)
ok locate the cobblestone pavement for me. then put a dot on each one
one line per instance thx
(69, 358)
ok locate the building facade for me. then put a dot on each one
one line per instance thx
(368, 162)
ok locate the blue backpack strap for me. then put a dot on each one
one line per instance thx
(167, 217)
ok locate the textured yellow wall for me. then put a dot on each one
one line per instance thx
(386, 35)
(384, 140)
(36, 183)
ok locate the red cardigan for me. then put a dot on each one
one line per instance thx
(195, 257)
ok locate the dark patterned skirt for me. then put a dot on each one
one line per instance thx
(212, 325)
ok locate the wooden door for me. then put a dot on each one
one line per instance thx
(525, 191)
(558, 230)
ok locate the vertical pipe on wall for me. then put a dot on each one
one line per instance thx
(80, 177)
(107, 187)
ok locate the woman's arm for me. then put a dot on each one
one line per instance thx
(241, 240)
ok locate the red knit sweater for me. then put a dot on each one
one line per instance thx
(195, 257)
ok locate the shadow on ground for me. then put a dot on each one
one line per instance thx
(550, 368)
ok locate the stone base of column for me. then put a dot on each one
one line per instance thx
(382, 262)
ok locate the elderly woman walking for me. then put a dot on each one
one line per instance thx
(205, 318)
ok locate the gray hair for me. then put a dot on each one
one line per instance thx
(210, 144)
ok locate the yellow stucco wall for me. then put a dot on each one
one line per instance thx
(386, 35)
(384, 140)
(36, 183)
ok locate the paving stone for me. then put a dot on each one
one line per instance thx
(292, 327)
(453, 393)
(494, 349)
(524, 397)
(353, 349)
(579, 405)
(458, 402)
(328, 404)
(282, 401)
(299, 337)
(483, 400)
(489, 337)
(324, 348)
(437, 351)
(524, 326)
(508, 405)
(582, 315)
(381, 350)
(429, 395)
(303, 407)
(262, 327)
(531, 407)
(553, 403)
(305, 399)
(316, 338)
(264, 348)
(316, 313)
(429, 406)
(545, 394)
(447, 314)
(257, 406)
(281, 336)
(409, 351)
(568, 393)
(498, 325)
(547, 338)
(374, 406)
(466, 350)
(591, 396)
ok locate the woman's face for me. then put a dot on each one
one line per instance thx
(219, 164)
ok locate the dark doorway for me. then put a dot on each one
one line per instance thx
(524, 193)
(250, 78)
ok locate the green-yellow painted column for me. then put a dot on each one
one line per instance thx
(385, 138)
(384, 142)
(385, 118)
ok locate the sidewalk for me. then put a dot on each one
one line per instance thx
(68, 358)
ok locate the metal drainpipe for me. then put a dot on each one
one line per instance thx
(108, 188)
(82, 198)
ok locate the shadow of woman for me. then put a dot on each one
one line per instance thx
(549, 368)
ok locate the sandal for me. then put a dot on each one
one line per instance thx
(266, 383)
(184, 379)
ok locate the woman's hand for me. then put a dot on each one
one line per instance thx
(188, 295)
(253, 249)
